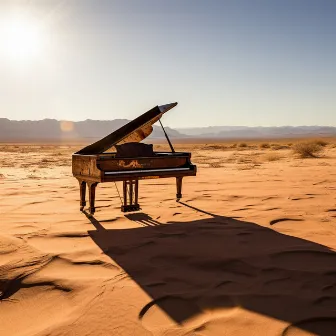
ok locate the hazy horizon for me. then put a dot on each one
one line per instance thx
(177, 128)
(247, 63)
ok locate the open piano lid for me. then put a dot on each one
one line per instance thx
(135, 131)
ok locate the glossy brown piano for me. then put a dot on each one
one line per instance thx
(130, 161)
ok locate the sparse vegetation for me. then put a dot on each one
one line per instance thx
(243, 154)
(307, 149)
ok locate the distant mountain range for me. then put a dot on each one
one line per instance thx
(258, 132)
(51, 129)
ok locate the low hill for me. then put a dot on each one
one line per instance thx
(51, 129)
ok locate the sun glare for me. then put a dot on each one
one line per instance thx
(22, 39)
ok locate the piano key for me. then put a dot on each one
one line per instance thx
(146, 171)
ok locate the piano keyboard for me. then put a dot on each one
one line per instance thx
(146, 171)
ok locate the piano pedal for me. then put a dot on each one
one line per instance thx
(129, 208)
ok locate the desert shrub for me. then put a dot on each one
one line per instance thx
(278, 147)
(307, 149)
(233, 145)
(247, 166)
(320, 142)
(264, 145)
(214, 165)
(242, 159)
(272, 157)
(242, 145)
(33, 177)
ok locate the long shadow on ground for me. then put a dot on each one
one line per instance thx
(220, 262)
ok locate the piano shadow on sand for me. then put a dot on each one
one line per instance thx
(188, 268)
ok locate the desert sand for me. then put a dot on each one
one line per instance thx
(250, 249)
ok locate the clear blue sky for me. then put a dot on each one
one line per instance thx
(252, 62)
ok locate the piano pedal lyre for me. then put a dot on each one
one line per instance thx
(130, 193)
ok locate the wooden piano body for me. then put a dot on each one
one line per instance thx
(93, 165)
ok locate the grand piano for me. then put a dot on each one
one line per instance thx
(130, 161)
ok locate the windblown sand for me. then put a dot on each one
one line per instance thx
(249, 251)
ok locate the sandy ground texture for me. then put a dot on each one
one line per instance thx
(250, 250)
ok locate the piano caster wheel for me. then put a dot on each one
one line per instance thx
(178, 197)
(81, 208)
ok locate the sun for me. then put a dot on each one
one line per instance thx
(22, 39)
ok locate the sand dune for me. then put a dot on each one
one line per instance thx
(250, 250)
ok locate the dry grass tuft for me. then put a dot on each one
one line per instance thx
(243, 145)
(214, 165)
(279, 147)
(33, 177)
(247, 166)
(307, 149)
(264, 145)
(252, 158)
(272, 157)
(320, 142)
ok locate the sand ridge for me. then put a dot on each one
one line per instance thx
(250, 250)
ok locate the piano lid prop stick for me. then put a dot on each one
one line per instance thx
(170, 144)
(118, 193)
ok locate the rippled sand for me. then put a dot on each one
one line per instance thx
(250, 250)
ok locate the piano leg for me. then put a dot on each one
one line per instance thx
(82, 191)
(92, 195)
(178, 188)
(136, 193)
(124, 194)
